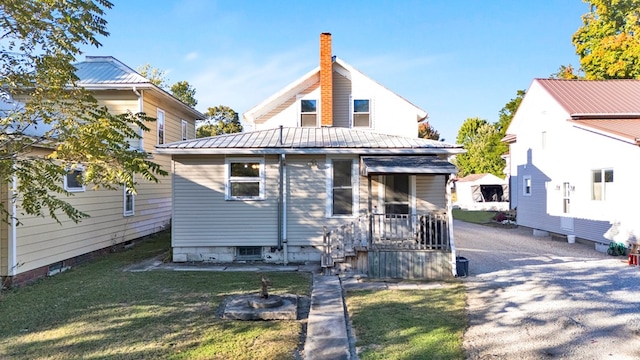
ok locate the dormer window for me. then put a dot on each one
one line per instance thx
(361, 113)
(308, 113)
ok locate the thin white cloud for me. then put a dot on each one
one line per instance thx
(244, 80)
(191, 56)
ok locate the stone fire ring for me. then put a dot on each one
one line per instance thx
(253, 307)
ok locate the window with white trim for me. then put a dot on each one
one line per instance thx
(601, 184)
(128, 201)
(342, 188)
(73, 180)
(308, 113)
(184, 130)
(361, 113)
(160, 124)
(526, 185)
(245, 179)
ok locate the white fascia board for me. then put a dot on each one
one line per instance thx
(314, 151)
(274, 100)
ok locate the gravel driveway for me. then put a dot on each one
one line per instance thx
(537, 298)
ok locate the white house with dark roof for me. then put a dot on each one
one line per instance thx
(333, 172)
(40, 246)
(573, 149)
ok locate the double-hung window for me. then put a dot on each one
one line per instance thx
(129, 201)
(73, 180)
(342, 188)
(361, 113)
(601, 184)
(308, 113)
(184, 130)
(245, 179)
(160, 124)
(526, 185)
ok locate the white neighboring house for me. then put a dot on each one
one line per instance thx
(482, 192)
(574, 147)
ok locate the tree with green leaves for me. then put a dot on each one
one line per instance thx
(42, 109)
(185, 93)
(157, 76)
(426, 131)
(566, 72)
(181, 90)
(507, 112)
(608, 42)
(219, 120)
(481, 140)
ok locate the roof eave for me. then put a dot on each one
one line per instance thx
(310, 151)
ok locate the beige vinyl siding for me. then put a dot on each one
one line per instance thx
(341, 99)
(202, 216)
(120, 102)
(430, 193)
(306, 200)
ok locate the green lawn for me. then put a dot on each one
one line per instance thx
(98, 311)
(409, 324)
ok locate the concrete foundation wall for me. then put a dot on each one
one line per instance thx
(228, 254)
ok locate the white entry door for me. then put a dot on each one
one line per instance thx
(566, 221)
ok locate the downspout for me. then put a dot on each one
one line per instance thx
(452, 244)
(12, 259)
(282, 204)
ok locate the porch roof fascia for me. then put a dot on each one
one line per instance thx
(406, 165)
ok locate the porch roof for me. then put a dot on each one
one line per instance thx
(406, 165)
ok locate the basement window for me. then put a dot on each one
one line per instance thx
(249, 252)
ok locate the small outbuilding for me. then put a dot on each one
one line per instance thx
(482, 192)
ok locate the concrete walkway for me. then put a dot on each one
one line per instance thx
(327, 337)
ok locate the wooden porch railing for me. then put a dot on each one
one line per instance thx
(386, 231)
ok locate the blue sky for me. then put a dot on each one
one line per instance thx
(455, 59)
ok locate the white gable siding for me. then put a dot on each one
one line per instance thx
(390, 113)
(341, 100)
(568, 156)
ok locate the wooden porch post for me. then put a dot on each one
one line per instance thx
(370, 212)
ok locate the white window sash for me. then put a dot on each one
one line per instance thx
(355, 187)
(246, 179)
(82, 188)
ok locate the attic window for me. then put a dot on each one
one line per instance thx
(308, 113)
(361, 114)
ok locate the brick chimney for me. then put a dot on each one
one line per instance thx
(326, 80)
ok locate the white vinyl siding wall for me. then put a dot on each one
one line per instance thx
(555, 165)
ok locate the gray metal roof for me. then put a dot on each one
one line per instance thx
(107, 70)
(306, 140)
(406, 165)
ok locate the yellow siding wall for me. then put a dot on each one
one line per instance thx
(4, 231)
(42, 241)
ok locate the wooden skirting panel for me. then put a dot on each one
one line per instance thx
(407, 264)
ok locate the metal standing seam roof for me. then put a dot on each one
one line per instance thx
(306, 138)
(107, 70)
(406, 165)
(625, 128)
(595, 97)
